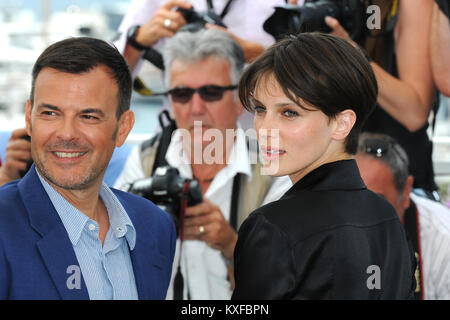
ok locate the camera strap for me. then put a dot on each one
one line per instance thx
(412, 227)
(178, 283)
(225, 9)
(235, 201)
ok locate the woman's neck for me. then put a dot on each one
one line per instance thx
(338, 156)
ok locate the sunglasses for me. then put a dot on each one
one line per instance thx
(208, 93)
(379, 148)
(375, 147)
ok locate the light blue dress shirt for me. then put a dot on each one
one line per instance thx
(107, 271)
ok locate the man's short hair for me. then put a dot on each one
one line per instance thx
(389, 152)
(323, 70)
(79, 55)
(193, 47)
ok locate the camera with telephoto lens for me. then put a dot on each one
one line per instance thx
(293, 19)
(166, 188)
(196, 21)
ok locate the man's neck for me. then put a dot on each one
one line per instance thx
(86, 200)
(205, 171)
(90, 203)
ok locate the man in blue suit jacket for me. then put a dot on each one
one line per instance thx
(63, 233)
(36, 253)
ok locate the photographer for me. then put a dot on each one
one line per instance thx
(148, 23)
(201, 71)
(159, 20)
(383, 165)
(401, 64)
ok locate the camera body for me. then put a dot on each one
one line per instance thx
(293, 19)
(196, 20)
(166, 188)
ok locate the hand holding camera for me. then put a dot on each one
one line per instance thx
(205, 222)
(338, 30)
(165, 23)
(292, 19)
(18, 157)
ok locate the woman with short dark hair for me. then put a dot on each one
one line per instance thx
(328, 237)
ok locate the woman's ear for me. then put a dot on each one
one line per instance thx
(345, 121)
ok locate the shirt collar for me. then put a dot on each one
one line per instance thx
(74, 220)
(119, 221)
(338, 175)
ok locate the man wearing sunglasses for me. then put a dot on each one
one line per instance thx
(383, 165)
(201, 73)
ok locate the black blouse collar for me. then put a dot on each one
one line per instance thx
(339, 175)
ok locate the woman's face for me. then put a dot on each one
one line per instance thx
(302, 139)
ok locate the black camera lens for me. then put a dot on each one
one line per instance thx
(293, 19)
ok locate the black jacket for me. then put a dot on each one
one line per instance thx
(328, 237)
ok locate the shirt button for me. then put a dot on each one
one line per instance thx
(91, 227)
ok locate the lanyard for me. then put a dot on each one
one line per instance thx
(412, 227)
(225, 9)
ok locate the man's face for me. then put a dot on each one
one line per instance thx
(220, 114)
(378, 178)
(73, 126)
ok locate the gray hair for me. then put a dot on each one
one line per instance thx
(193, 47)
(394, 156)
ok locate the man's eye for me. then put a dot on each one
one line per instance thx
(89, 117)
(48, 114)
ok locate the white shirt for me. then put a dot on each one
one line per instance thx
(203, 268)
(434, 221)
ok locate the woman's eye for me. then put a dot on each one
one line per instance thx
(290, 113)
(259, 109)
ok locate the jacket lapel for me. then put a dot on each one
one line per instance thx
(143, 264)
(55, 247)
(148, 264)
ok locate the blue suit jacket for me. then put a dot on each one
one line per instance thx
(35, 250)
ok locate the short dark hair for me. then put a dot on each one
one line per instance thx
(82, 54)
(323, 70)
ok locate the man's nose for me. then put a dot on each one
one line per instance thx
(198, 105)
(68, 129)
